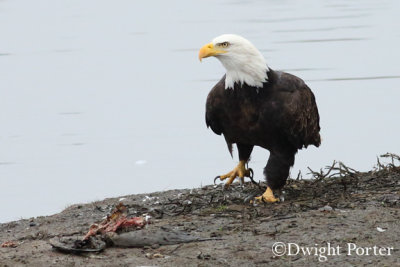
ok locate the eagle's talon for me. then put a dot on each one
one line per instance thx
(239, 171)
(251, 173)
(267, 197)
(216, 178)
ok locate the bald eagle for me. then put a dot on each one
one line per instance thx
(253, 105)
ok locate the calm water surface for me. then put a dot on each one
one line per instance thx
(106, 98)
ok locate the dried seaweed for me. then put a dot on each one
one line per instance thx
(337, 170)
(323, 187)
(381, 166)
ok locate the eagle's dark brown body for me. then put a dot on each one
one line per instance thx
(281, 117)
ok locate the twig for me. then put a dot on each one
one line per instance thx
(393, 158)
(299, 176)
(318, 176)
(176, 248)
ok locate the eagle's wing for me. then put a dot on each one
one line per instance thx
(214, 110)
(298, 117)
(214, 105)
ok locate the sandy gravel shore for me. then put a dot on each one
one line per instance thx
(351, 219)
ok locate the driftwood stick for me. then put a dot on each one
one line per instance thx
(393, 157)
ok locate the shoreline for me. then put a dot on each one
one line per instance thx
(360, 208)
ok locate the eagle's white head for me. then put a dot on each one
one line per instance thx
(241, 59)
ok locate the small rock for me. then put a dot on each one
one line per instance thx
(187, 202)
(326, 208)
(154, 256)
(155, 246)
(202, 256)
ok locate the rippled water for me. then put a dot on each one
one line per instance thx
(106, 98)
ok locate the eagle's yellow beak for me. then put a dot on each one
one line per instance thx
(209, 50)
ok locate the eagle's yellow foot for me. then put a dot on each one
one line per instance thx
(239, 171)
(268, 197)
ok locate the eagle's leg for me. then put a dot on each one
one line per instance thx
(240, 170)
(276, 172)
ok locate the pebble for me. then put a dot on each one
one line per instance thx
(326, 208)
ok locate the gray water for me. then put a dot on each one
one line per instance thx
(106, 98)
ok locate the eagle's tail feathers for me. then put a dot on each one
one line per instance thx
(230, 147)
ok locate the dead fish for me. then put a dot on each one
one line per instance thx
(146, 237)
(139, 238)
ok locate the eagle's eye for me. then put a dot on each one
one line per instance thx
(224, 44)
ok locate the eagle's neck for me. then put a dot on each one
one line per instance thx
(250, 69)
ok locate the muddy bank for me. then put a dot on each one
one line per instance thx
(342, 210)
